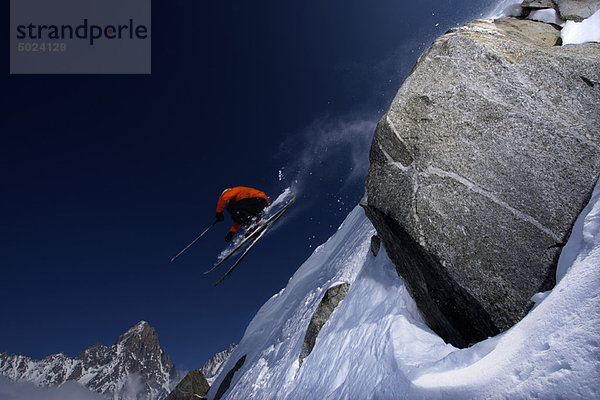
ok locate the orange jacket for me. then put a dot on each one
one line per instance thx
(236, 194)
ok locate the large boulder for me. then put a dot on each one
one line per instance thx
(192, 387)
(576, 10)
(537, 4)
(226, 382)
(479, 168)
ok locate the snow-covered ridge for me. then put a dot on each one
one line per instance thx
(134, 365)
(213, 367)
(376, 345)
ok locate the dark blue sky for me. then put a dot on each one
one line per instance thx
(105, 178)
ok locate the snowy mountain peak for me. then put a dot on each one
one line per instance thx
(141, 330)
(140, 326)
(134, 367)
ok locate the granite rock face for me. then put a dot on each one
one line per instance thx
(192, 387)
(537, 4)
(226, 383)
(576, 10)
(479, 168)
(333, 296)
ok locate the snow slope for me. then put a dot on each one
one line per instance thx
(376, 346)
(273, 340)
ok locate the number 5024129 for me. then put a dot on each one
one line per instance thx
(41, 47)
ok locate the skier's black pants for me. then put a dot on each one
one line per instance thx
(245, 210)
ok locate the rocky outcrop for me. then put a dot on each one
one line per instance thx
(226, 383)
(537, 4)
(576, 10)
(486, 156)
(328, 304)
(573, 10)
(134, 365)
(193, 387)
(375, 245)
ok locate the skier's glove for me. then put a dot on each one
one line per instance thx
(229, 236)
(220, 217)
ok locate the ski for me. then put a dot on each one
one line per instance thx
(250, 237)
(266, 228)
(239, 260)
(236, 248)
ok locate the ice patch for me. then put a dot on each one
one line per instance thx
(585, 31)
(547, 15)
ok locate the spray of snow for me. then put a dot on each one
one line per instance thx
(281, 200)
(330, 150)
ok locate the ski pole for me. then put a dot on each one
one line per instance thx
(193, 241)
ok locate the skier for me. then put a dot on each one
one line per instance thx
(245, 205)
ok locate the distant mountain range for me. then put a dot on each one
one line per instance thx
(135, 367)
